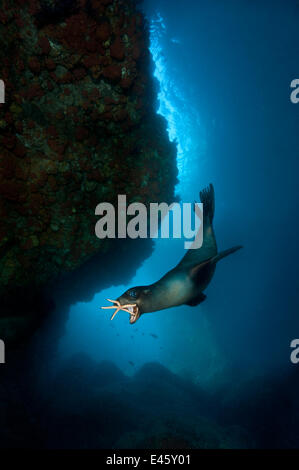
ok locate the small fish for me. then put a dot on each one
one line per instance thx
(154, 336)
(131, 363)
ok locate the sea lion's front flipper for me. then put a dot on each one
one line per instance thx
(200, 274)
(197, 300)
(199, 268)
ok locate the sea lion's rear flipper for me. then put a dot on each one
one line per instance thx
(207, 197)
(209, 247)
(197, 300)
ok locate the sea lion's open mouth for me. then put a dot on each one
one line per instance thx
(132, 309)
(134, 313)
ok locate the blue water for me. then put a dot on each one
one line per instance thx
(224, 70)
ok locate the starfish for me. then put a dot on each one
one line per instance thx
(126, 308)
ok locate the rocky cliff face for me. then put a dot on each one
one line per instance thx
(78, 127)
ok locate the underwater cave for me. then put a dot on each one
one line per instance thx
(154, 100)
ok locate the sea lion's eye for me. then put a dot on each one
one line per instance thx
(133, 293)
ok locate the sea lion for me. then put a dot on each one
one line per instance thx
(183, 285)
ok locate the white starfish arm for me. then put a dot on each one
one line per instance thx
(118, 307)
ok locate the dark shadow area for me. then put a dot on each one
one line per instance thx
(94, 405)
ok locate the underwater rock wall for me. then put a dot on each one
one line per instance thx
(78, 127)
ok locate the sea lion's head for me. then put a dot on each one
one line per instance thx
(133, 301)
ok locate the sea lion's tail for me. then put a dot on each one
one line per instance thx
(207, 197)
(225, 253)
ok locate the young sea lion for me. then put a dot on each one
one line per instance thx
(186, 282)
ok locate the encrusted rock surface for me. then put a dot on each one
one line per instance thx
(78, 127)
